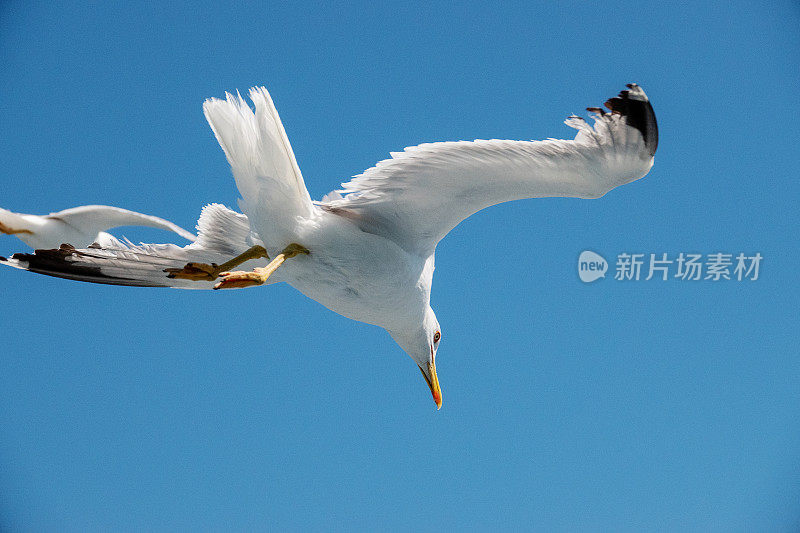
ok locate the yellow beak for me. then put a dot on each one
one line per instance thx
(433, 382)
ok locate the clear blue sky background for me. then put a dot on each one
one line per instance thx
(611, 406)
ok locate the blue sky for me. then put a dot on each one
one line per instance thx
(660, 405)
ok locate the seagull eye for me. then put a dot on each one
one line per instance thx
(436, 337)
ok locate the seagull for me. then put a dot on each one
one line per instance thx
(79, 226)
(365, 251)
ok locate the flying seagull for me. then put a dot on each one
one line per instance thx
(365, 251)
(79, 226)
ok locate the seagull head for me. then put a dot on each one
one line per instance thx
(421, 343)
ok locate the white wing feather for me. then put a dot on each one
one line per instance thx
(419, 195)
(224, 230)
(273, 192)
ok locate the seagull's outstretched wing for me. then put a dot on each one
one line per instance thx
(263, 163)
(96, 218)
(78, 226)
(422, 193)
(222, 233)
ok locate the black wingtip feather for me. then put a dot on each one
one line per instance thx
(54, 263)
(638, 114)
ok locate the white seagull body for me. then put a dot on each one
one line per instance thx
(367, 251)
(79, 226)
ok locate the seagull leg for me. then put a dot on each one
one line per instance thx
(8, 231)
(206, 272)
(241, 279)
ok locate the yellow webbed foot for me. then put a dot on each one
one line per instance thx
(241, 279)
(195, 272)
(258, 276)
(294, 249)
(206, 272)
